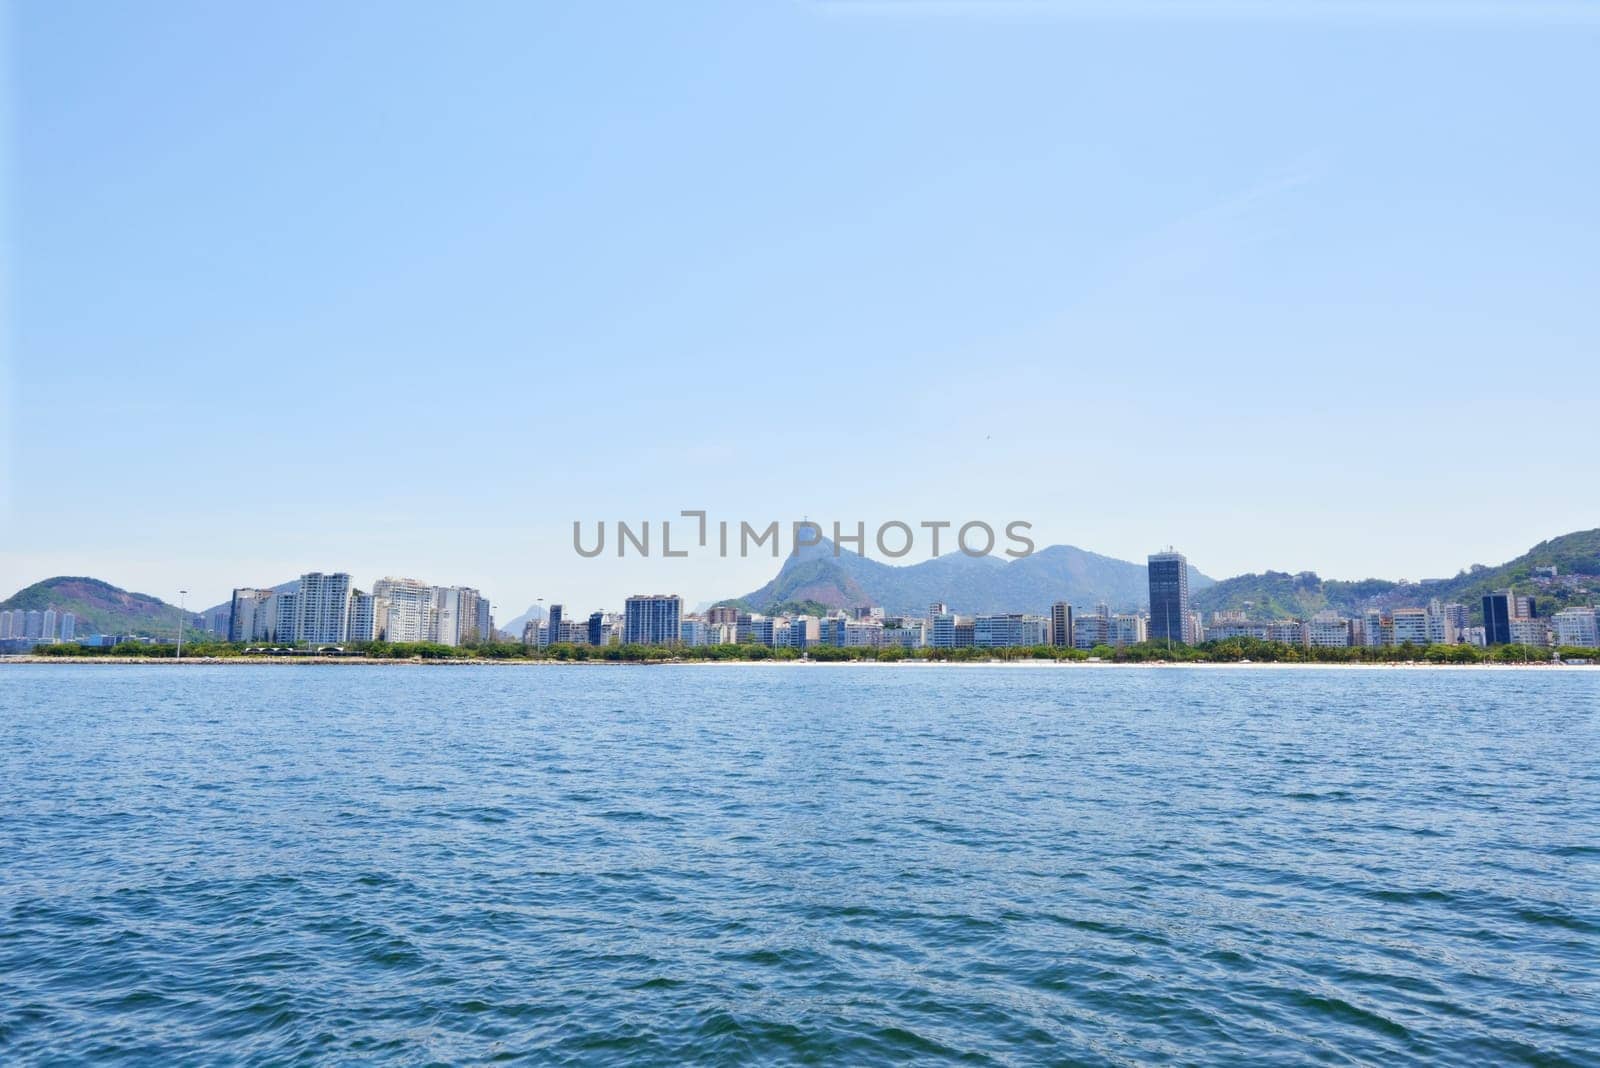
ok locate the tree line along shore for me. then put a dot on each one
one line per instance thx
(1229, 650)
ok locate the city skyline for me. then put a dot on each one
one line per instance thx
(328, 610)
(508, 609)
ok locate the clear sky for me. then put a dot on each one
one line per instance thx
(402, 288)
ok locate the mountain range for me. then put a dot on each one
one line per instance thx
(819, 577)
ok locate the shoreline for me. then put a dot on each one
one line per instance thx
(358, 661)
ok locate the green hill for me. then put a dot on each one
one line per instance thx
(1276, 594)
(102, 608)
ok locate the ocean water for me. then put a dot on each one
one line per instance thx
(770, 864)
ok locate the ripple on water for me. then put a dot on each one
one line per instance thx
(821, 866)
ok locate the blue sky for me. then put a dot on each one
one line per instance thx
(398, 288)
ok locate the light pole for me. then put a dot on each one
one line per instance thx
(181, 595)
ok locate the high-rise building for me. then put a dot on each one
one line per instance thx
(943, 635)
(722, 613)
(286, 617)
(1130, 629)
(5, 624)
(322, 608)
(1529, 631)
(654, 619)
(363, 616)
(857, 633)
(215, 621)
(1228, 627)
(597, 622)
(460, 625)
(33, 624)
(1061, 625)
(1577, 626)
(1169, 598)
(804, 632)
(69, 626)
(407, 611)
(1009, 631)
(556, 612)
(1286, 632)
(693, 630)
(253, 616)
(47, 625)
(1497, 612)
(447, 615)
(1328, 630)
(1446, 622)
(1092, 630)
(1408, 625)
(937, 608)
(909, 634)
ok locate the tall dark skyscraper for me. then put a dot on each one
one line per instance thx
(1169, 597)
(1497, 618)
(554, 630)
(1061, 625)
(597, 622)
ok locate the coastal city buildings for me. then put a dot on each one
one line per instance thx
(1497, 610)
(1010, 630)
(655, 619)
(1169, 598)
(326, 609)
(402, 609)
(1529, 632)
(1093, 630)
(33, 625)
(363, 617)
(1060, 624)
(1129, 629)
(322, 608)
(1576, 627)
(1408, 625)
(254, 617)
(1329, 630)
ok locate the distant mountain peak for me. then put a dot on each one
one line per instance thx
(968, 584)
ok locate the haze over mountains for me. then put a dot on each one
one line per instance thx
(984, 584)
(1067, 573)
(966, 583)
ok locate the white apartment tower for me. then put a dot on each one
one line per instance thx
(322, 608)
